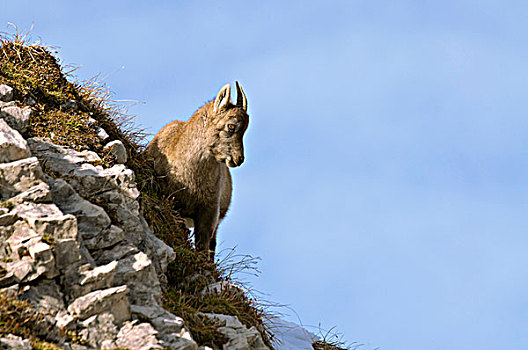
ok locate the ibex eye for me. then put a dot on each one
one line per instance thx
(231, 128)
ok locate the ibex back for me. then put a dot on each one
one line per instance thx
(195, 156)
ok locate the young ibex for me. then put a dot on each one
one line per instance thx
(194, 156)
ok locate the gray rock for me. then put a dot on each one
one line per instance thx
(11, 291)
(117, 252)
(61, 160)
(171, 328)
(30, 101)
(223, 287)
(138, 337)
(8, 218)
(106, 238)
(239, 336)
(90, 180)
(100, 331)
(86, 257)
(64, 320)
(12, 144)
(40, 193)
(6, 93)
(112, 300)
(19, 176)
(46, 293)
(131, 224)
(137, 272)
(67, 253)
(118, 150)
(14, 342)
(88, 279)
(16, 117)
(47, 219)
(32, 257)
(19, 236)
(91, 219)
(17, 271)
(103, 264)
(161, 254)
(117, 198)
(44, 260)
(102, 135)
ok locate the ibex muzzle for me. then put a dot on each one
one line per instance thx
(195, 156)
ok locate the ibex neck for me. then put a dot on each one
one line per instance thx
(195, 133)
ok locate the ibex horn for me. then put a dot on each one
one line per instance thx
(241, 97)
(223, 98)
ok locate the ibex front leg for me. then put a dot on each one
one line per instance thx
(204, 230)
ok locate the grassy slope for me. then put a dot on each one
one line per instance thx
(35, 74)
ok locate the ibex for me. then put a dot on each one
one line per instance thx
(195, 156)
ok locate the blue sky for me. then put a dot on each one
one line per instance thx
(386, 162)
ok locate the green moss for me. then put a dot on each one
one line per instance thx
(7, 204)
(43, 345)
(47, 238)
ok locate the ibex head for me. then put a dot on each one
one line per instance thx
(225, 126)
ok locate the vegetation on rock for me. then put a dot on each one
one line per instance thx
(64, 111)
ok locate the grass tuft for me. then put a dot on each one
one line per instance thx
(20, 318)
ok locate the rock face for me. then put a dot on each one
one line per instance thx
(61, 250)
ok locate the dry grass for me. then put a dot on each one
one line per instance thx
(332, 340)
(20, 318)
(63, 111)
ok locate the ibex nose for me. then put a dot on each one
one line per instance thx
(240, 160)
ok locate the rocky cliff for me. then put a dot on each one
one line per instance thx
(80, 243)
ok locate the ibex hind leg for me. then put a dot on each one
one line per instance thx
(212, 245)
(205, 230)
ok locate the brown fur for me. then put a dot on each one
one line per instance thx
(195, 155)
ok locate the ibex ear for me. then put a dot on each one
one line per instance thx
(241, 98)
(223, 98)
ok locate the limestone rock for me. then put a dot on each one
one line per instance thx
(60, 159)
(239, 336)
(30, 101)
(47, 219)
(118, 252)
(162, 255)
(101, 133)
(39, 193)
(44, 260)
(14, 342)
(67, 253)
(137, 272)
(138, 337)
(223, 287)
(171, 328)
(19, 176)
(16, 117)
(89, 180)
(118, 150)
(87, 279)
(17, 271)
(45, 293)
(91, 219)
(100, 331)
(32, 257)
(112, 300)
(6, 93)
(12, 144)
